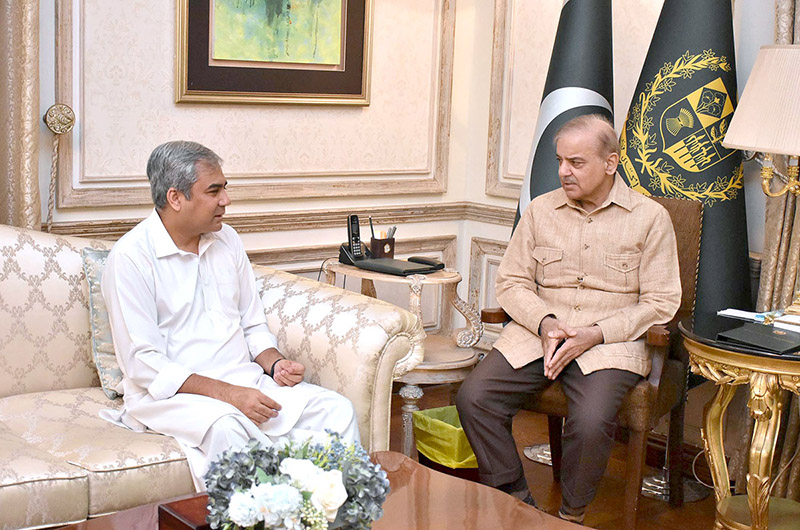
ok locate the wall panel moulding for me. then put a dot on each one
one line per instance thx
(307, 261)
(115, 68)
(289, 257)
(316, 219)
(485, 257)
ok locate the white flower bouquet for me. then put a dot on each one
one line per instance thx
(295, 486)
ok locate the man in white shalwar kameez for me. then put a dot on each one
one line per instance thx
(197, 358)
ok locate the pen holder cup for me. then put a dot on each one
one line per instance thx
(382, 248)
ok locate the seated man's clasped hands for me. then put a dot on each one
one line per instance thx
(189, 329)
(590, 267)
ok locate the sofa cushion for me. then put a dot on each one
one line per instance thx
(94, 261)
(36, 488)
(123, 468)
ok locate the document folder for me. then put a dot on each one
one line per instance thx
(762, 337)
(397, 267)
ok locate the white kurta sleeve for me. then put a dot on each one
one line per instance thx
(128, 291)
(253, 319)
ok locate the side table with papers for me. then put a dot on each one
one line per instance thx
(449, 354)
(728, 366)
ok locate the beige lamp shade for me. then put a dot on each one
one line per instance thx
(767, 118)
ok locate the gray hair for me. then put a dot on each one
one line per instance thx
(607, 141)
(174, 165)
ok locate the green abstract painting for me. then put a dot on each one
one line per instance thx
(282, 31)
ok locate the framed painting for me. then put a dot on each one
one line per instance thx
(273, 51)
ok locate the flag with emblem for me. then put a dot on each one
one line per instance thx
(580, 80)
(672, 141)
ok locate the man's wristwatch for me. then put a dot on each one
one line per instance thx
(271, 372)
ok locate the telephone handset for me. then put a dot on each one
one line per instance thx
(353, 250)
(354, 237)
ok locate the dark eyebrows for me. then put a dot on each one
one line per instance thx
(216, 186)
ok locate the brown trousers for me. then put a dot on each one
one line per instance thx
(493, 394)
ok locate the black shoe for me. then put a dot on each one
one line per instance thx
(529, 501)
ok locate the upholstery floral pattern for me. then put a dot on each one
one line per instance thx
(123, 468)
(94, 261)
(37, 488)
(348, 342)
(44, 324)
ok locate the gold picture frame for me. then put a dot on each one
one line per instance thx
(202, 78)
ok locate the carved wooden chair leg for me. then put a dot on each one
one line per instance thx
(633, 486)
(554, 426)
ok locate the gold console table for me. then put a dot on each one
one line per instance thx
(449, 356)
(728, 366)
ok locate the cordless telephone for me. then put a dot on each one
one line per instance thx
(354, 237)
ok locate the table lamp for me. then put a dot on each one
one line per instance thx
(767, 119)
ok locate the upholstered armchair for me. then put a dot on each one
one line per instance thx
(662, 392)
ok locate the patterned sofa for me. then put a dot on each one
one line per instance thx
(60, 463)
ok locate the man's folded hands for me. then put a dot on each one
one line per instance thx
(562, 343)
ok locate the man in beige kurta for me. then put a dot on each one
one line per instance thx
(590, 267)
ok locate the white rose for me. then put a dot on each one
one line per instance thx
(242, 509)
(303, 472)
(328, 493)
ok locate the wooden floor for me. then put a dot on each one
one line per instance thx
(606, 510)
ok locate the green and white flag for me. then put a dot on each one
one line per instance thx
(580, 80)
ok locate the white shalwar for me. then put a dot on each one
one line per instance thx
(174, 313)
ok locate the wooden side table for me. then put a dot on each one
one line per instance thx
(449, 356)
(766, 375)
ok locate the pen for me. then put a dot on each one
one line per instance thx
(371, 228)
(392, 230)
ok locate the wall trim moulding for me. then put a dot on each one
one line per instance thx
(317, 253)
(297, 260)
(483, 253)
(495, 185)
(316, 219)
(94, 191)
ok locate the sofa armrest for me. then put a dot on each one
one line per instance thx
(348, 342)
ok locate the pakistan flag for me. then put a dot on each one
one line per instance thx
(672, 141)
